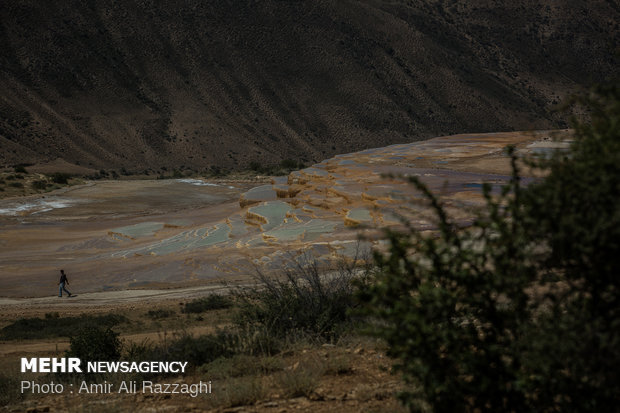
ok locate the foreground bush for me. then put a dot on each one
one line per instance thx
(521, 311)
(306, 302)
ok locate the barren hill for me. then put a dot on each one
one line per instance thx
(150, 84)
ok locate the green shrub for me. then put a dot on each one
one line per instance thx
(519, 312)
(141, 351)
(256, 166)
(93, 343)
(16, 184)
(20, 169)
(574, 359)
(202, 349)
(39, 184)
(60, 178)
(289, 164)
(210, 302)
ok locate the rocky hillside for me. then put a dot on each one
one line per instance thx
(194, 84)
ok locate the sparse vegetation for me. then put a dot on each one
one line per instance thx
(307, 301)
(245, 359)
(240, 391)
(291, 164)
(339, 365)
(52, 326)
(159, 313)
(241, 365)
(39, 184)
(301, 379)
(60, 178)
(210, 302)
(285, 167)
(9, 389)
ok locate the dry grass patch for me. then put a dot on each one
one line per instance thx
(238, 391)
(300, 379)
(241, 365)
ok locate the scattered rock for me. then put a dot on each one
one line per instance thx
(316, 396)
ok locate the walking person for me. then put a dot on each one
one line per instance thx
(62, 282)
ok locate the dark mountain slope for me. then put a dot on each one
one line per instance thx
(146, 84)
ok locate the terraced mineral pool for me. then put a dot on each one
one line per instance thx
(168, 245)
(144, 229)
(273, 213)
(279, 180)
(218, 234)
(359, 215)
(237, 227)
(306, 231)
(281, 190)
(390, 218)
(261, 193)
(186, 240)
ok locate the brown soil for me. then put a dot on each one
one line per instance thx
(354, 375)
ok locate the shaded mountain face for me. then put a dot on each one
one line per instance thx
(151, 84)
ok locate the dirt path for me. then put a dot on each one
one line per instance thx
(109, 297)
(106, 301)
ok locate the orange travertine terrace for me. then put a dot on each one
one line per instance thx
(153, 234)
